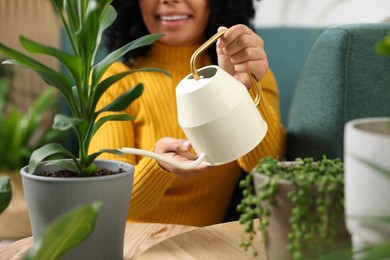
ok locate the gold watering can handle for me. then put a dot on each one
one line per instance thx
(207, 44)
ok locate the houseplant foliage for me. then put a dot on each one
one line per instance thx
(65, 232)
(84, 22)
(316, 197)
(5, 193)
(21, 132)
(383, 46)
(81, 86)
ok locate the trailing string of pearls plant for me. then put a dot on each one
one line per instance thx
(317, 199)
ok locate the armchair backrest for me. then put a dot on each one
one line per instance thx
(343, 78)
(287, 49)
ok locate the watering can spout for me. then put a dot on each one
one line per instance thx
(183, 166)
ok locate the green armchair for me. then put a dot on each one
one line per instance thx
(326, 77)
(342, 79)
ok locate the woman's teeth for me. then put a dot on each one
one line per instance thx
(174, 17)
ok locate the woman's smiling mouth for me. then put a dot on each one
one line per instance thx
(173, 17)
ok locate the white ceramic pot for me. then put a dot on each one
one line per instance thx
(49, 197)
(367, 191)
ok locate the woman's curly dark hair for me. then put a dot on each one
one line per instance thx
(129, 24)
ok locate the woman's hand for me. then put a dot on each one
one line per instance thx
(178, 150)
(240, 51)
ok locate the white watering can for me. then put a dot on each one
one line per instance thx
(216, 113)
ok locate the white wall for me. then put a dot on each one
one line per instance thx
(320, 12)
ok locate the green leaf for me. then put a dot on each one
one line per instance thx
(107, 19)
(63, 122)
(116, 117)
(21, 133)
(64, 164)
(124, 100)
(103, 65)
(371, 219)
(65, 233)
(93, 156)
(4, 87)
(57, 4)
(374, 252)
(44, 152)
(383, 47)
(73, 16)
(52, 77)
(72, 63)
(382, 170)
(89, 31)
(106, 83)
(5, 193)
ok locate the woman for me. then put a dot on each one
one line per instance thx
(161, 192)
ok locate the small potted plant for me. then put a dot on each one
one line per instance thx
(367, 177)
(299, 206)
(367, 174)
(56, 180)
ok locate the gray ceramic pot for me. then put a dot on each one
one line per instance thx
(48, 197)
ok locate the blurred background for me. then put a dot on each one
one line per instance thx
(320, 13)
(35, 19)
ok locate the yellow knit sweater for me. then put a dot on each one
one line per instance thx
(158, 195)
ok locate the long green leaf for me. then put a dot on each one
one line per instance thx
(73, 16)
(385, 219)
(65, 233)
(46, 151)
(59, 9)
(93, 156)
(124, 100)
(115, 117)
(72, 63)
(5, 193)
(52, 77)
(108, 82)
(57, 4)
(103, 65)
(382, 170)
(63, 122)
(106, 20)
(63, 164)
(89, 31)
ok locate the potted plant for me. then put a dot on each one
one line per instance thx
(20, 134)
(81, 180)
(368, 176)
(299, 206)
(367, 180)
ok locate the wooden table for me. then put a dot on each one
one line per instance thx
(168, 241)
(217, 242)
